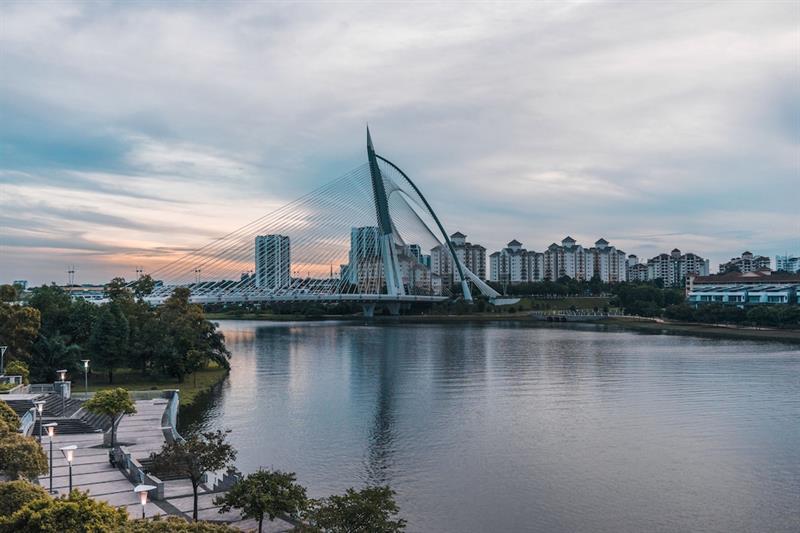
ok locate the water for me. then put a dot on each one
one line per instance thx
(509, 427)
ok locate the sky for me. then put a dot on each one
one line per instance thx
(131, 133)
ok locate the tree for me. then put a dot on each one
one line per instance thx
(265, 492)
(9, 416)
(193, 341)
(109, 340)
(8, 293)
(371, 510)
(51, 353)
(194, 457)
(76, 513)
(113, 403)
(19, 327)
(18, 368)
(143, 286)
(14, 495)
(21, 456)
(54, 305)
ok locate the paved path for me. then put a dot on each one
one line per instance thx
(141, 434)
(91, 470)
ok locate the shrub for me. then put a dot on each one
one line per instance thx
(76, 513)
(18, 368)
(14, 495)
(21, 456)
(8, 416)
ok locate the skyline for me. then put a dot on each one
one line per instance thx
(134, 133)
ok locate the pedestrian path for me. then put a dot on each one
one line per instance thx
(141, 434)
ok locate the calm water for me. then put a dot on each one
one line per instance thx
(508, 427)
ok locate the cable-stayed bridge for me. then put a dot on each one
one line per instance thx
(368, 237)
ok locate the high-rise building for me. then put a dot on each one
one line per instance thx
(273, 262)
(472, 256)
(514, 264)
(746, 263)
(671, 268)
(364, 267)
(785, 263)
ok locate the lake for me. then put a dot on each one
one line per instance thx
(518, 427)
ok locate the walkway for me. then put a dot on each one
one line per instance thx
(141, 434)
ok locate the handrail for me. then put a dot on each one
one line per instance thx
(27, 422)
(134, 471)
(169, 420)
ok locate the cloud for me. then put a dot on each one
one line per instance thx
(159, 125)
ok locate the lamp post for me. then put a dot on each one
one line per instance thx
(51, 432)
(69, 453)
(62, 375)
(143, 491)
(85, 378)
(39, 411)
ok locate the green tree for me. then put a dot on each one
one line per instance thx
(21, 456)
(113, 403)
(19, 326)
(9, 416)
(109, 340)
(18, 368)
(371, 510)
(54, 306)
(76, 513)
(8, 293)
(265, 493)
(193, 341)
(14, 495)
(143, 286)
(194, 457)
(51, 353)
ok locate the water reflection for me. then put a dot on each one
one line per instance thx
(506, 427)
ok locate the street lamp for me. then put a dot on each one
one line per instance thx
(51, 432)
(39, 411)
(85, 378)
(62, 375)
(142, 491)
(69, 452)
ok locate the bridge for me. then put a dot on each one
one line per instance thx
(369, 237)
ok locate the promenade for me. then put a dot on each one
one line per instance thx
(141, 434)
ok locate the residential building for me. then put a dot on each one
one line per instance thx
(472, 256)
(672, 268)
(784, 263)
(743, 288)
(746, 263)
(509, 265)
(636, 271)
(273, 262)
(514, 264)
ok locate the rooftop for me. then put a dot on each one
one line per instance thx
(761, 276)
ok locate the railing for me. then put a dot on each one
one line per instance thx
(134, 471)
(27, 421)
(40, 388)
(169, 420)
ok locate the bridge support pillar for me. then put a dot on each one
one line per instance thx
(394, 308)
(369, 310)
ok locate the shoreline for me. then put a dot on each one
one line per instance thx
(630, 323)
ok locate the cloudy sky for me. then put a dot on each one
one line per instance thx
(130, 132)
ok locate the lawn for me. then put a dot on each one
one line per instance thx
(133, 380)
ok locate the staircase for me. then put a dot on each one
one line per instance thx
(52, 407)
(147, 464)
(66, 426)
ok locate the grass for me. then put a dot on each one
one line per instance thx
(133, 380)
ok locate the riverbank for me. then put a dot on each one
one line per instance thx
(688, 328)
(191, 389)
